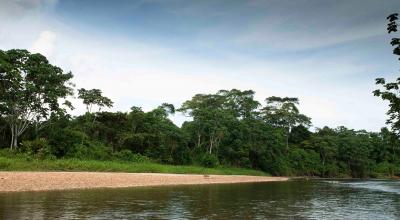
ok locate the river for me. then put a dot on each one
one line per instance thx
(296, 199)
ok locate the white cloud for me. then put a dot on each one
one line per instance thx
(45, 44)
(14, 9)
(278, 38)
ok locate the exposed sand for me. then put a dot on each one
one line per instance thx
(40, 181)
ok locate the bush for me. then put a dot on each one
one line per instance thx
(4, 163)
(209, 160)
(90, 151)
(331, 170)
(304, 163)
(181, 155)
(38, 148)
(280, 167)
(160, 153)
(127, 155)
(385, 169)
(7, 152)
(64, 141)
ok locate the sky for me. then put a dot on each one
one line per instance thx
(146, 52)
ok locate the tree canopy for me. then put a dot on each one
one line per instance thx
(390, 90)
(94, 97)
(30, 90)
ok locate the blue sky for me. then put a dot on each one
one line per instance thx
(146, 52)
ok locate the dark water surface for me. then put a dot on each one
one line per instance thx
(276, 200)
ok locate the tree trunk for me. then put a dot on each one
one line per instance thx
(198, 140)
(211, 143)
(394, 153)
(15, 142)
(287, 141)
(12, 137)
(94, 119)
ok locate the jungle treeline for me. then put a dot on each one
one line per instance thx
(229, 128)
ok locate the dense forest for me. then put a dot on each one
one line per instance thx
(229, 128)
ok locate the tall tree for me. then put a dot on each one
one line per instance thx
(283, 113)
(326, 147)
(30, 90)
(91, 98)
(390, 91)
(94, 97)
(240, 103)
(209, 116)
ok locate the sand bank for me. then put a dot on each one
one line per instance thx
(40, 181)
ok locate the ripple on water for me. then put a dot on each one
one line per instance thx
(279, 200)
(384, 186)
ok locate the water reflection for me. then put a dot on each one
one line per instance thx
(279, 200)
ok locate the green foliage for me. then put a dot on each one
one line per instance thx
(91, 151)
(30, 90)
(4, 133)
(21, 164)
(38, 148)
(228, 129)
(127, 155)
(283, 113)
(5, 163)
(390, 90)
(182, 155)
(385, 169)
(209, 160)
(304, 163)
(65, 141)
(299, 134)
(93, 97)
(6, 152)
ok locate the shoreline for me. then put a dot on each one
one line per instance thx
(344, 178)
(11, 181)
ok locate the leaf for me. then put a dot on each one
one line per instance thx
(380, 81)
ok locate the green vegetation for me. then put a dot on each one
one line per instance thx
(26, 163)
(226, 129)
(390, 91)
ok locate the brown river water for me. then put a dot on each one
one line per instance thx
(296, 199)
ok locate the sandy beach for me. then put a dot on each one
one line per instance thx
(41, 181)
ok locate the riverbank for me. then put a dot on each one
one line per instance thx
(42, 181)
(23, 164)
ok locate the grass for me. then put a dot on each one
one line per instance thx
(21, 164)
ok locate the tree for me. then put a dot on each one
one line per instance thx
(299, 134)
(208, 119)
(30, 90)
(390, 91)
(240, 103)
(93, 97)
(153, 134)
(326, 147)
(283, 113)
(169, 108)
